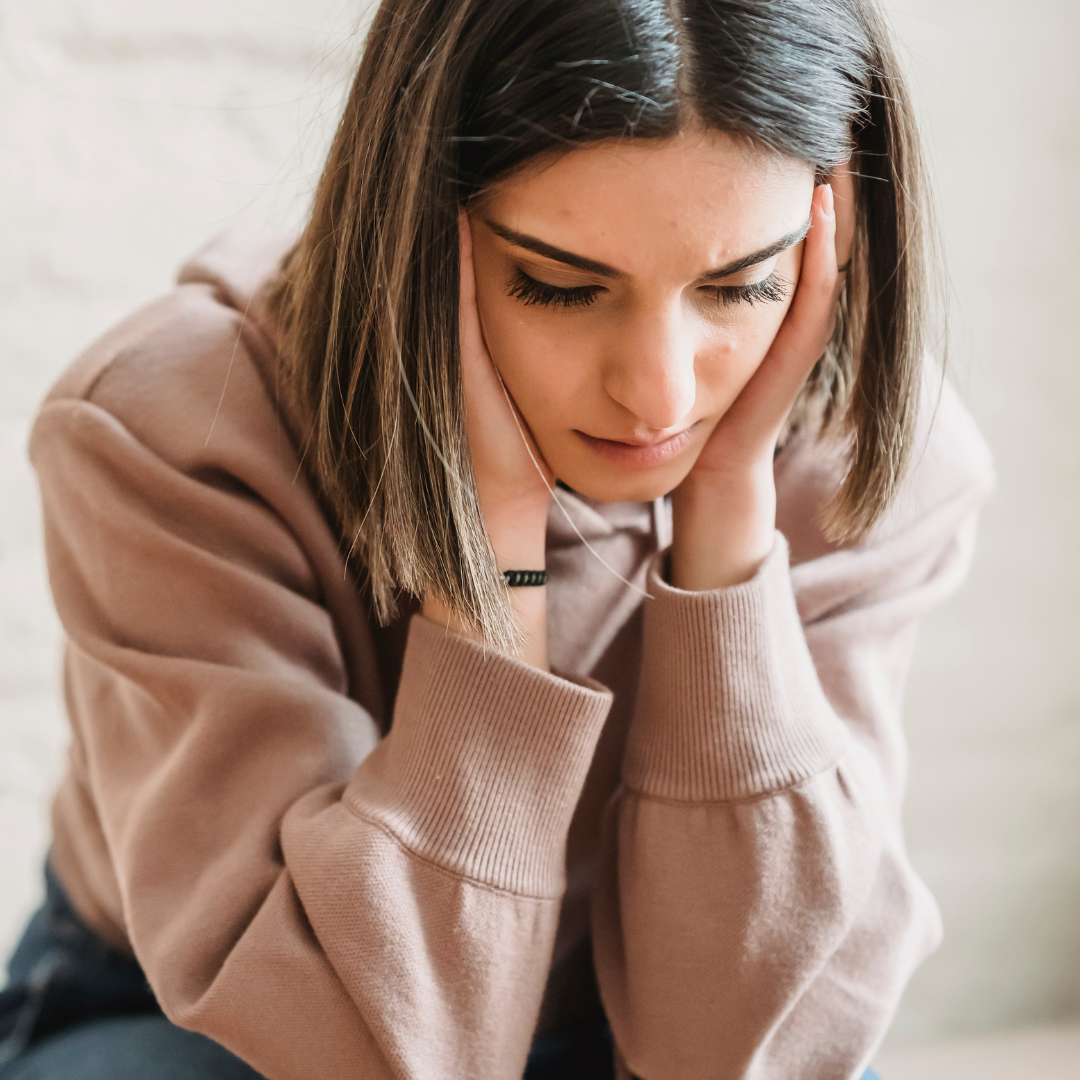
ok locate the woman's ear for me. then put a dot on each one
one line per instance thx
(842, 182)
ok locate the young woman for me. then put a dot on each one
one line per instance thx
(487, 620)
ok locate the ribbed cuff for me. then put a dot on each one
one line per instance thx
(484, 763)
(729, 704)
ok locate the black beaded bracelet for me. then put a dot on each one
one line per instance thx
(515, 579)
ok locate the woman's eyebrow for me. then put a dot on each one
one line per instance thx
(580, 262)
(549, 251)
(756, 257)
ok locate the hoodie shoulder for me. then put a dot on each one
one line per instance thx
(186, 365)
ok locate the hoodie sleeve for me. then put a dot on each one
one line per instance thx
(322, 902)
(757, 917)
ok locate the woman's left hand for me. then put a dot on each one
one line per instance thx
(513, 482)
(725, 510)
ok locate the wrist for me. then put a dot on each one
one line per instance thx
(517, 531)
(518, 534)
(723, 530)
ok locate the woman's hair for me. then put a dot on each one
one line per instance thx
(452, 95)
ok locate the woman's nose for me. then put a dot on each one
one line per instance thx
(650, 370)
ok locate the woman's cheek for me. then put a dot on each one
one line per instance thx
(540, 366)
(734, 354)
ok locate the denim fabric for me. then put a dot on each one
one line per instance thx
(76, 1008)
(587, 1054)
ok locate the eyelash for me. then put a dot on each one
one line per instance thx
(770, 290)
(531, 292)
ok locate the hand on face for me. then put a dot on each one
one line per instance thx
(512, 480)
(745, 436)
(638, 304)
(725, 509)
(509, 470)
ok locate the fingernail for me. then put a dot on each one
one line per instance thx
(827, 199)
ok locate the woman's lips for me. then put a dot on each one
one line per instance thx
(637, 456)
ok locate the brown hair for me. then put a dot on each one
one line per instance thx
(451, 95)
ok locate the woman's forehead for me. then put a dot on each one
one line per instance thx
(702, 198)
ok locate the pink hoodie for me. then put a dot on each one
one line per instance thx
(352, 851)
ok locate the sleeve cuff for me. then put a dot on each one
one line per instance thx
(729, 704)
(484, 762)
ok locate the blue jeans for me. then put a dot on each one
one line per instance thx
(75, 1008)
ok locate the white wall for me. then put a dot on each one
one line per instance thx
(131, 131)
(994, 703)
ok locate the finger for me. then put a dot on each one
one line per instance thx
(842, 183)
(807, 327)
(467, 293)
(477, 367)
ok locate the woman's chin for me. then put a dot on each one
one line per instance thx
(613, 485)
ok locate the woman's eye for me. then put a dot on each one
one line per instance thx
(530, 291)
(772, 289)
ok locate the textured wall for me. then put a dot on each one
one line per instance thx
(131, 131)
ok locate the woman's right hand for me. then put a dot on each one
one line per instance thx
(508, 468)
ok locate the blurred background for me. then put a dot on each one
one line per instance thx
(130, 132)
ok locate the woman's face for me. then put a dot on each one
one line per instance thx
(628, 292)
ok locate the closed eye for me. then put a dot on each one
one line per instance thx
(532, 292)
(772, 289)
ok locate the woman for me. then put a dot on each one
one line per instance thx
(487, 623)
